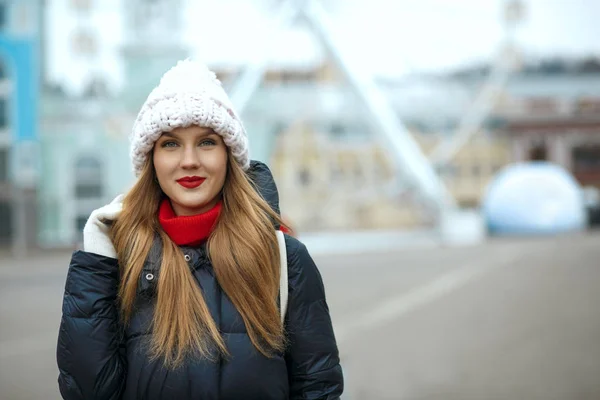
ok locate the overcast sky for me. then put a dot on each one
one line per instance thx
(403, 35)
(391, 37)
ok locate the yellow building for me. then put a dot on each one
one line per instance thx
(339, 184)
(473, 167)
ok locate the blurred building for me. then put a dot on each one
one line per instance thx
(335, 175)
(330, 182)
(304, 119)
(556, 117)
(19, 157)
(83, 36)
(296, 100)
(85, 136)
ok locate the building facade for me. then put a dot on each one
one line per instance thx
(557, 120)
(335, 175)
(305, 121)
(19, 96)
(332, 181)
(85, 135)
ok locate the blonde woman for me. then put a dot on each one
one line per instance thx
(176, 292)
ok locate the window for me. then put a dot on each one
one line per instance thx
(304, 177)
(88, 190)
(297, 76)
(338, 130)
(538, 153)
(81, 5)
(5, 222)
(80, 222)
(88, 178)
(586, 158)
(3, 164)
(587, 106)
(447, 170)
(149, 11)
(84, 43)
(3, 113)
(3, 15)
(542, 105)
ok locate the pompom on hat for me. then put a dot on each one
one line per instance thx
(188, 94)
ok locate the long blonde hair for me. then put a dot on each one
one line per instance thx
(244, 254)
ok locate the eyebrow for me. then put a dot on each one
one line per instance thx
(172, 135)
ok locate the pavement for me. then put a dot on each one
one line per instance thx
(506, 319)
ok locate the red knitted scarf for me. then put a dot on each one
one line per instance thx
(190, 230)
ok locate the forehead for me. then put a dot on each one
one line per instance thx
(193, 130)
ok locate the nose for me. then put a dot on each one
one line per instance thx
(190, 158)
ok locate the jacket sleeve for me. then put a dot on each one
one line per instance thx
(312, 355)
(90, 362)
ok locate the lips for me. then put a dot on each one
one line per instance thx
(191, 182)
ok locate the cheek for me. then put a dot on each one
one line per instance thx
(218, 164)
(161, 164)
(224, 168)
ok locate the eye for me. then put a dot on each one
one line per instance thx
(168, 143)
(207, 142)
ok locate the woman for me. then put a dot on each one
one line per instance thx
(175, 294)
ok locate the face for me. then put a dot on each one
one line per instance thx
(191, 166)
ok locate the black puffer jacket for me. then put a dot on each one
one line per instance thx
(98, 360)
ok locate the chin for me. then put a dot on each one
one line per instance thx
(191, 203)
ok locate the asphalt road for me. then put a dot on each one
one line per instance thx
(510, 319)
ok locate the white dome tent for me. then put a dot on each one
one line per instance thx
(534, 198)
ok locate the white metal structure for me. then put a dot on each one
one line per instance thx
(492, 88)
(411, 164)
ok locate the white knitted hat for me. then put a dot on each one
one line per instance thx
(188, 94)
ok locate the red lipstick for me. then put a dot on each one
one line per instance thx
(191, 182)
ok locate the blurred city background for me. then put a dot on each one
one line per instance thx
(440, 159)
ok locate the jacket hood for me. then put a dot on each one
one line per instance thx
(264, 182)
